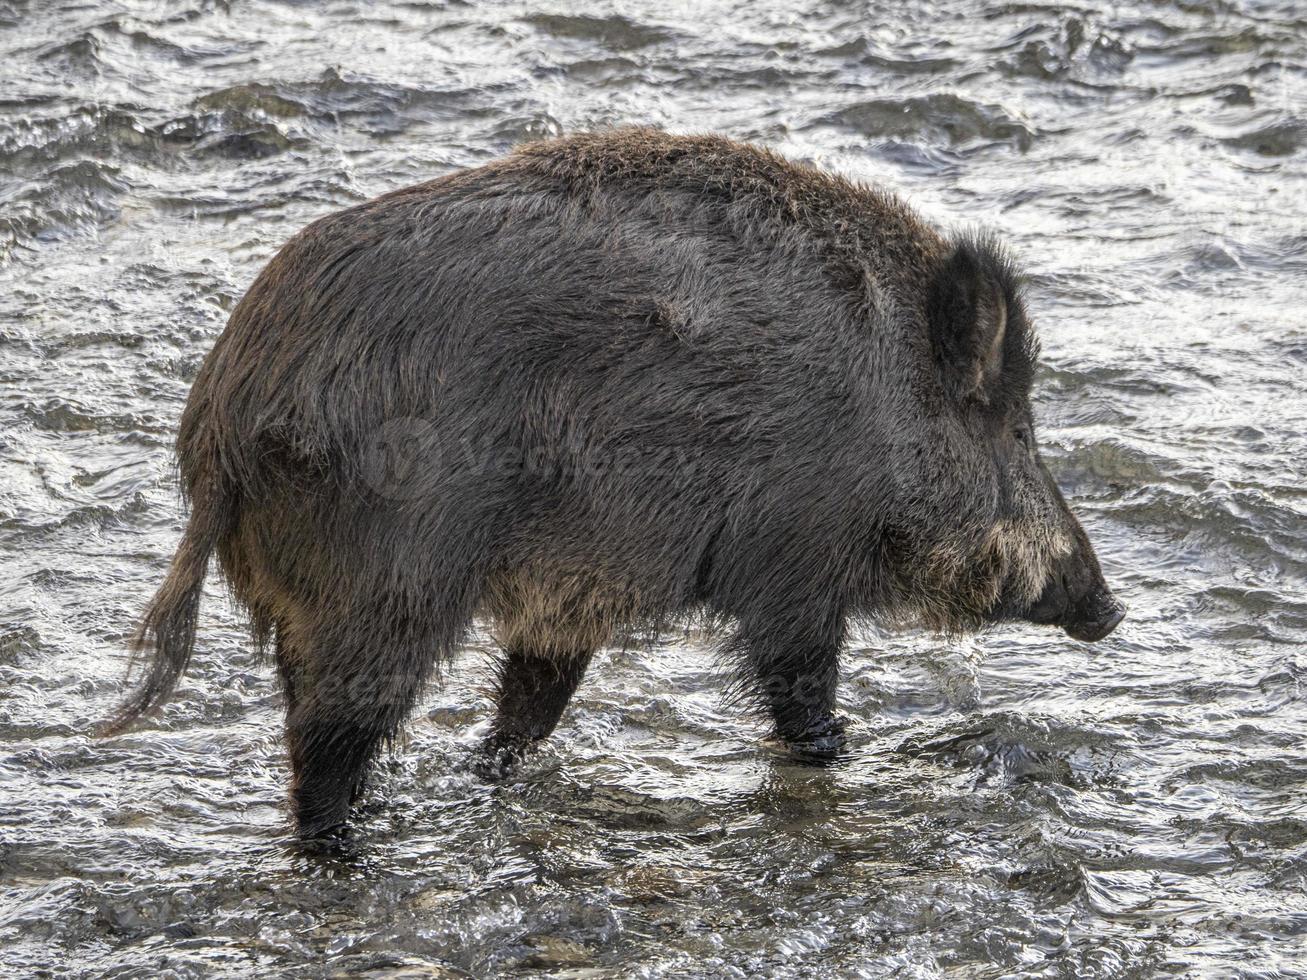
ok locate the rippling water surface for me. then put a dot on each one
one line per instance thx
(1018, 805)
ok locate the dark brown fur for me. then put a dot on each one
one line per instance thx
(638, 377)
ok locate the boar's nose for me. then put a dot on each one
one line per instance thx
(1101, 613)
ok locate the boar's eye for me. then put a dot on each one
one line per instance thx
(1022, 435)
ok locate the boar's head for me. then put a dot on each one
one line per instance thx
(993, 537)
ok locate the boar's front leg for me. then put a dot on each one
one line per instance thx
(789, 658)
(533, 690)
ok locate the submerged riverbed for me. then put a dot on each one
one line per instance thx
(1018, 804)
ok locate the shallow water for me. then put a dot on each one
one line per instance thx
(1020, 804)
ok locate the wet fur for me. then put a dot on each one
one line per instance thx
(660, 376)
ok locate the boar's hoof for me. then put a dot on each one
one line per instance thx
(330, 843)
(321, 811)
(819, 743)
(499, 755)
(327, 831)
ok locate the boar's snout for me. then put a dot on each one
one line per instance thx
(1077, 599)
(1101, 613)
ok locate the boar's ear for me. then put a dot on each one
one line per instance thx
(967, 312)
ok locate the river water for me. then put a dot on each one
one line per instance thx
(1016, 805)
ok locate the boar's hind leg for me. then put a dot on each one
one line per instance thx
(351, 695)
(533, 691)
(549, 622)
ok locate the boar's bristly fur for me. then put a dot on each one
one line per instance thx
(601, 385)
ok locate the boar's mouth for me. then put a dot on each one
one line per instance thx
(1092, 630)
(1088, 616)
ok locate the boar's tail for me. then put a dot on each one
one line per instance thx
(167, 629)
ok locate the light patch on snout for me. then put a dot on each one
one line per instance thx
(1028, 552)
(955, 586)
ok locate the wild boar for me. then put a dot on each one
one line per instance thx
(633, 378)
